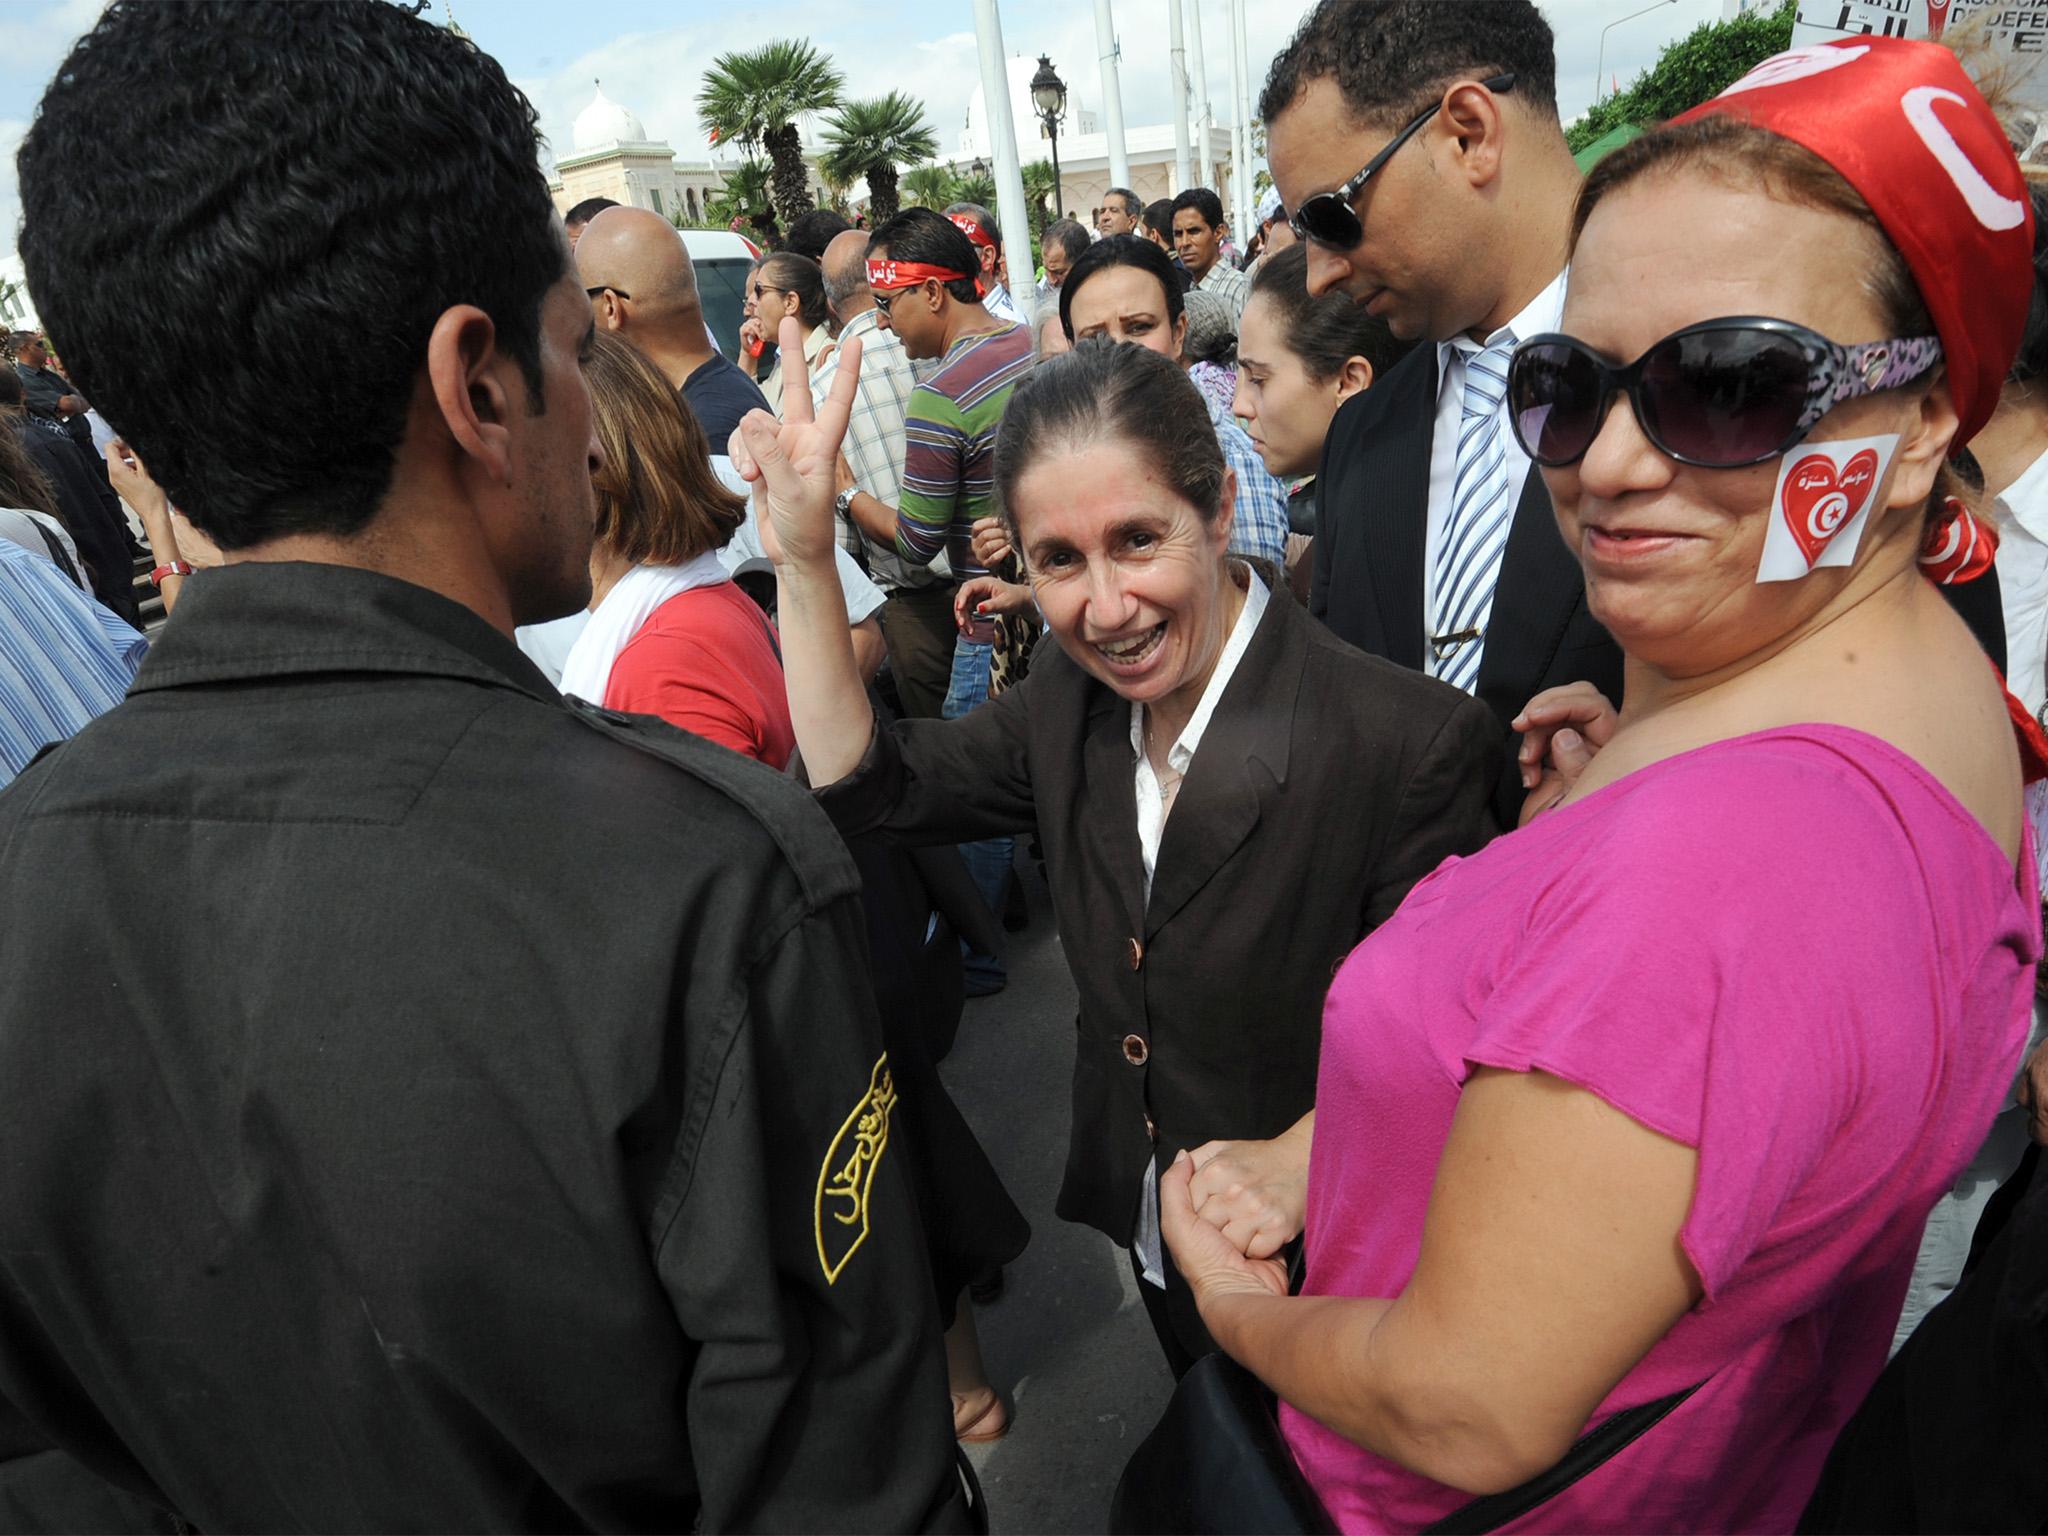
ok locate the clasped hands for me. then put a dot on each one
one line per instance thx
(1227, 1208)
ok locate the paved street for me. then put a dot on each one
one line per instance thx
(1069, 1339)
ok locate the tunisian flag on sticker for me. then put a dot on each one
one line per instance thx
(1822, 505)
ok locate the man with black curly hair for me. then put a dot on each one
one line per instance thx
(474, 1114)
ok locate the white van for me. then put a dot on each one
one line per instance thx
(722, 260)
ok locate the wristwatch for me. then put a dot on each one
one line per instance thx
(843, 502)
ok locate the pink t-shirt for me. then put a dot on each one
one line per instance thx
(1794, 952)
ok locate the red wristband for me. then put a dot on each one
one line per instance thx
(163, 573)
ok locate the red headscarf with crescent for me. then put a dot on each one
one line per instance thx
(1903, 123)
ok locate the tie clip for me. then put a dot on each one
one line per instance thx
(1445, 645)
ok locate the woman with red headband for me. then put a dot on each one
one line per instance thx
(1636, 1114)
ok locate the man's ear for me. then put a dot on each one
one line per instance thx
(1472, 116)
(467, 372)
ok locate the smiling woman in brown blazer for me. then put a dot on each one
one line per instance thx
(1204, 897)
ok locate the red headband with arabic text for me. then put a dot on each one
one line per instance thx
(970, 226)
(1903, 124)
(904, 274)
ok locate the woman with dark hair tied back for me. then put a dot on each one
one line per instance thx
(670, 634)
(1637, 1113)
(1227, 796)
(786, 284)
(1300, 356)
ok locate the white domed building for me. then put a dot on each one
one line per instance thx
(613, 156)
(1084, 147)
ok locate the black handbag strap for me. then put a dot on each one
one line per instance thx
(56, 548)
(1590, 1450)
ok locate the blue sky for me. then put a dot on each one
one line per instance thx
(651, 54)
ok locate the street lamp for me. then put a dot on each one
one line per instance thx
(1600, 59)
(1049, 95)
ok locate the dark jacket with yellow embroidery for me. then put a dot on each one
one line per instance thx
(425, 1105)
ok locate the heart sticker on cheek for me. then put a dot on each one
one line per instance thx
(1822, 505)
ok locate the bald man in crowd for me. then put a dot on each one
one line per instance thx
(643, 286)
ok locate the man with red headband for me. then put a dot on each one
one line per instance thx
(922, 270)
(980, 226)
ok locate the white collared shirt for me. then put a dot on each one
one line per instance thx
(1180, 757)
(1541, 314)
(2022, 514)
(998, 302)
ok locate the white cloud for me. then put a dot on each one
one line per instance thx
(33, 40)
(657, 73)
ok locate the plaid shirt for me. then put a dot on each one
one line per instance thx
(875, 442)
(1260, 527)
(1227, 283)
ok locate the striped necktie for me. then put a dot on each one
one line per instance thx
(1476, 532)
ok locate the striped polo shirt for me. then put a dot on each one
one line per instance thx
(949, 465)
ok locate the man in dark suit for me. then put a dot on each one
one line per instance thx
(1435, 130)
(1437, 548)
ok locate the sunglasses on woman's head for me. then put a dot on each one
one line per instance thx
(1721, 394)
(1329, 218)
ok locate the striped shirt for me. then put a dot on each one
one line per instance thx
(874, 446)
(63, 658)
(949, 464)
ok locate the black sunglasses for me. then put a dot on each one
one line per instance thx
(1329, 218)
(591, 293)
(885, 297)
(1720, 395)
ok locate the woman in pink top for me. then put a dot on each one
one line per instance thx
(670, 634)
(1657, 1092)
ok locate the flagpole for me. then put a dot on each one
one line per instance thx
(1112, 95)
(1002, 128)
(1177, 81)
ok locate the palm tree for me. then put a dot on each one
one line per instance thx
(870, 138)
(754, 99)
(1038, 187)
(929, 185)
(975, 189)
(742, 195)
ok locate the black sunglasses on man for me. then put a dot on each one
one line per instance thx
(1329, 218)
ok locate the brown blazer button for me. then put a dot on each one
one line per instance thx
(1136, 1050)
(1136, 952)
(1151, 1130)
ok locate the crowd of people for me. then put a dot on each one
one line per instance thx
(1524, 687)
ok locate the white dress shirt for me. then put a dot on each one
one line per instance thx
(1180, 757)
(1540, 315)
(999, 302)
(2022, 515)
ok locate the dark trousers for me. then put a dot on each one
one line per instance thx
(917, 623)
(1176, 1321)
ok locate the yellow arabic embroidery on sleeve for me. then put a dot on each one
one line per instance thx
(848, 1173)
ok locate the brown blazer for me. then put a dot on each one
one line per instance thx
(1327, 783)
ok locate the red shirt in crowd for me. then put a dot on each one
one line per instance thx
(708, 662)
